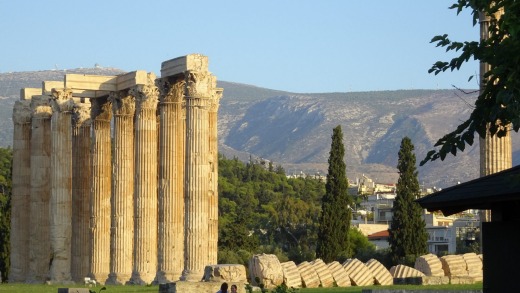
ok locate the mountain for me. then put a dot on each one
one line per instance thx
(294, 129)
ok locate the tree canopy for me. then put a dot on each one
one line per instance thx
(407, 231)
(498, 103)
(6, 157)
(335, 205)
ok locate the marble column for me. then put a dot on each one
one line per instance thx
(197, 172)
(81, 172)
(213, 179)
(101, 113)
(61, 186)
(495, 152)
(39, 231)
(171, 176)
(21, 191)
(122, 229)
(145, 190)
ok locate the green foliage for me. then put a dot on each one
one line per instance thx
(261, 210)
(335, 205)
(407, 231)
(498, 103)
(284, 289)
(6, 158)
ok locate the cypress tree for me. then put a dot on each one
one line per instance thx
(408, 234)
(335, 205)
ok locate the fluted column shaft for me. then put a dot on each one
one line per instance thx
(495, 152)
(39, 241)
(145, 211)
(171, 186)
(197, 172)
(100, 190)
(61, 186)
(213, 179)
(21, 191)
(81, 172)
(122, 229)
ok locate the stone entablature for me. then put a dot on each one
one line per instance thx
(119, 164)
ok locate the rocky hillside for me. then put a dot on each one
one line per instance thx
(294, 130)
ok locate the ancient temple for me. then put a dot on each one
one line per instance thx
(115, 177)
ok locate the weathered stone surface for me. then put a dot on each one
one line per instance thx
(27, 93)
(430, 265)
(291, 275)
(473, 266)
(225, 273)
(425, 280)
(268, 270)
(402, 271)
(179, 65)
(381, 275)
(197, 287)
(310, 278)
(358, 272)
(171, 181)
(339, 274)
(21, 191)
(454, 265)
(323, 272)
(461, 280)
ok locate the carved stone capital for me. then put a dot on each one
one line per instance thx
(199, 84)
(22, 112)
(147, 95)
(101, 109)
(81, 115)
(214, 102)
(123, 104)
(62, 100)
(41, 107)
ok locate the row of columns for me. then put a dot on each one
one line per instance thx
(137, 204)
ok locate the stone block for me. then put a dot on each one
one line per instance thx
(402, 271)
(460, 280)
(310, 278)
(425, 280)
(27, 93)
(179, 65)
(130, 79)
(430, 265)
(473, 266)
(267, 269)
(381, 275)
(196, 287)
(454, 265)
(358, 272)
(73, 290)
(339, 274)
(323, 272)
(91, 82)
(225, 273)
(47, 86)
(291, 275)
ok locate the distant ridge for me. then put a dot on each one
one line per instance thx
(294, 129)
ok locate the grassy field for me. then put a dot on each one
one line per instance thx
(19, 288)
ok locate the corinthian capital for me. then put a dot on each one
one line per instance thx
(146, 95)
(62, 100)
(215, 99)
(122, 103)
(22, 112)
(100, 109)
(199, 84)
(41, 107)
(81, 114)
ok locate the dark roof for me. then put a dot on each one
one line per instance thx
(482, 193)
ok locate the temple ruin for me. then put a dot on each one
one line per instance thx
(115, 177)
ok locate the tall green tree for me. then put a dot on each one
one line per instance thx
(408, 234)
(6, 158)
(335, 204)
(498, 103)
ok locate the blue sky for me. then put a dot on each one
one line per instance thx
(292, 45)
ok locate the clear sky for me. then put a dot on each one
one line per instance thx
(293, 45)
